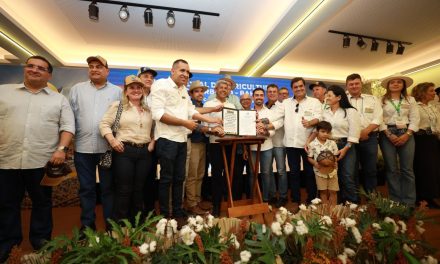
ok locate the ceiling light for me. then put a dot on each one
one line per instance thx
(148, 16)
(171, 20)
(196, 21)
(123, 13)
(93, 11)
(400, 49)
(361, 43)
(390, 47)
(346, 41)
(374, 45)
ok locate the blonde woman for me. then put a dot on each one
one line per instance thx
(427, 152)
(131, 148)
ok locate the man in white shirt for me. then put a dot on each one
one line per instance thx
(299, 115)
(370, 110)
(147, 76)
(174, 112)
(266, 157)
(278, 150)
(318, 88)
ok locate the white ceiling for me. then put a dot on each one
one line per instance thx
(247, 34)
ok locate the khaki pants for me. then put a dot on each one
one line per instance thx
(196, 171)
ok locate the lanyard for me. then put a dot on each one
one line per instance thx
(397, 107)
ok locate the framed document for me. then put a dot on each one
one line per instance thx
(239, 122)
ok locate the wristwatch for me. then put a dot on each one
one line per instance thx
(209, 129)
(348, 144)
(63, 148)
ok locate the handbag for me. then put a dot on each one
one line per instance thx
(105, 161)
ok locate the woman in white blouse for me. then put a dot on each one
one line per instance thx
(131, 148)
(400, 121)
(427, 152)
(346, 129)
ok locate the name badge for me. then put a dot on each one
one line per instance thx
(308, 113)
(400, 123)
(368, 110)
(405, 106)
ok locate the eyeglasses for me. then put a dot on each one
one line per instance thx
(39, 68)
(297, 108)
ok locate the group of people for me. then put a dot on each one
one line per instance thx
(331, 137)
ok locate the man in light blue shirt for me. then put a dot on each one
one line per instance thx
(89, 101)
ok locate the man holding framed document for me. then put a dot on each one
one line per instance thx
(215, 150)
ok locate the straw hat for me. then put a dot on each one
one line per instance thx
(197, 84)
(408, 81)
(326, 160)
(228, 78)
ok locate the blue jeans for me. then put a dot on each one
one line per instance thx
(294, 156)
(279, 153)
(366, 152)
(13, 184)
(347, 172)
(401, 183)
(85, 164)
(268, 181)
(172, 160)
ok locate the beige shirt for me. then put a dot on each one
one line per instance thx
(369, 108)
(429, 117)
(409, 113)
(30, 124)
(345, 124)
(167, 98)
(133, 126)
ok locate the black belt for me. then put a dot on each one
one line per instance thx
(136, 145)
(339, 140)
(427, 131)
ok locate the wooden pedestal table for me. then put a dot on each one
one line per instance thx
(254, 206)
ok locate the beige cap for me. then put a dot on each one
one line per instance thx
(98, 59)
(132, 79)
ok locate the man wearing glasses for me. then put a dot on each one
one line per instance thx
(299, 115)
(36, 126)
(89, 101)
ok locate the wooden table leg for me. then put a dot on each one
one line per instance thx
(256, 188)
(225, 161)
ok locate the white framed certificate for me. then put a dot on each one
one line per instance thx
(239, 122)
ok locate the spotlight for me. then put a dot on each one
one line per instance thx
(148, 16)
(374, 45)
(196, 21)
(346, 41)
(171, 20)
(93, 11)
(400, 49)
(123, 13)
(361, 43)
(390, 47)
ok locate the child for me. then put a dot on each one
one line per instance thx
(322, 153)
